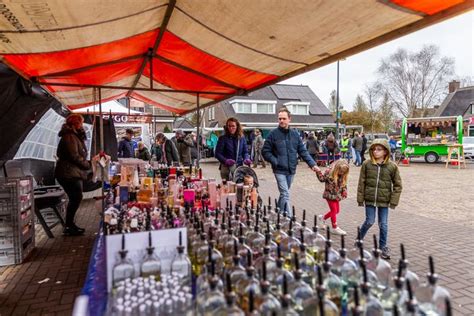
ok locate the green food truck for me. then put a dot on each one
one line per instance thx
(429, 137)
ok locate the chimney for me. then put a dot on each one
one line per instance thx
(454, 85)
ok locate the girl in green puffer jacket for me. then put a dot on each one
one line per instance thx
(379, 188)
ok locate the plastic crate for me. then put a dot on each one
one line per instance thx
(17, 236)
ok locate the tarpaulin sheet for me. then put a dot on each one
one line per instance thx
(216, 49)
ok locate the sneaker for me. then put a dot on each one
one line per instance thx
(322, 222)
(79, 229)
(338, 231)
(385, 253)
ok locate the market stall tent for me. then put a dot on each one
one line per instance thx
(178, 54)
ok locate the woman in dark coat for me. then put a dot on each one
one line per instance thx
(231, 149)
(72, 168)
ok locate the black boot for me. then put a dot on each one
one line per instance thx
(72, 231)
(82, 230)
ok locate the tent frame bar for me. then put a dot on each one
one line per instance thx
(163, 27)
(78, 85)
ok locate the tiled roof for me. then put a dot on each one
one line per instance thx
(457, 102)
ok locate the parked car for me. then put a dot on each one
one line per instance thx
(468, 146)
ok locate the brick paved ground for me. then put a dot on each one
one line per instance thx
(63, 260)
(434, 217)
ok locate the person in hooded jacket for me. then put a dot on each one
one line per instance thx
(72, 168)
(379, 189)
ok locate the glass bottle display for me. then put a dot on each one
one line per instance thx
(432, 297)
(181, 264)
(151, 264)
(123, 269)
(209, 301)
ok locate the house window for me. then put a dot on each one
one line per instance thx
(298, 108)
(265, 108)
(212, 113)
(253, 106)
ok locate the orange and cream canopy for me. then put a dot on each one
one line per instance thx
(167, 52)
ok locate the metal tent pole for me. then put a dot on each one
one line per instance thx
(198, 131)
(101, 122)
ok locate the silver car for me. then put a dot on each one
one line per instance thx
(468, 146)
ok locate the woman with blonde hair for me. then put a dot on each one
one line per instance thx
(335, 190)
(231, 149)
(72, 168)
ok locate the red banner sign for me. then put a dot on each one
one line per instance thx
(121, 118)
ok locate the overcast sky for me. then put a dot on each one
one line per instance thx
(455, 38)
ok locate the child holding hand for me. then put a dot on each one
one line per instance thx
(335, 190)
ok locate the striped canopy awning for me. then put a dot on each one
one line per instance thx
(167, 53)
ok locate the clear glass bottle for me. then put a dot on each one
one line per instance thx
(356, 309)
(208, 302)
(244, 249)
(280, 274)
(432, 297)
(332, 283)
(319, 305)
(256, 240)
(371, 304)
(406, 273)
(123, 269)
(394, 297)
(380, 267)
(229, 240)
(278, 234)
(316, 243)
(330, 254)
(249, 283)
(289, 245)
(269, 304)
(231, 308)
(411, 305)
(345, 268)
(306, 262)
(286, 309)
(201, 254)
(355, 253)
(181, 264)
(304, 228)
(151, 265)
(236, 271)
(300, 290)
(215, 254)
(266, 260)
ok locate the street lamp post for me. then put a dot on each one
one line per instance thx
(337, 104)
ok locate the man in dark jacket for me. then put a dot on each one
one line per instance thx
(357, 143)
(364, 147)
(125, 146)
(281, 150)
(169, 153)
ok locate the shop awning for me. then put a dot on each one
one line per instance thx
(167, 52)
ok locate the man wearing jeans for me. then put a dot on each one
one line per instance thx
(281, 150)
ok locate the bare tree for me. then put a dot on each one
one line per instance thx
(415, 80)
(386, 114)
(332, 102)
(373, 94)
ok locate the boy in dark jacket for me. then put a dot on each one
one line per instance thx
(379, 188)
(281, 149)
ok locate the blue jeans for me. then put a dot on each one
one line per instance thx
(284, 183)
(358, 160)
(370, 220)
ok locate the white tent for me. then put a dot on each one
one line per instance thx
(107, 107)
